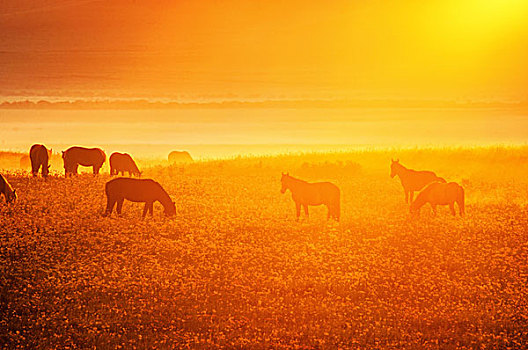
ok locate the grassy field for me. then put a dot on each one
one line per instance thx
(233, 268)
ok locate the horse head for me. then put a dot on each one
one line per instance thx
(284, 182)
(170, 210)
(11, 197)
(395, 165)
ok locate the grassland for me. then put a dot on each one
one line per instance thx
(233, 268)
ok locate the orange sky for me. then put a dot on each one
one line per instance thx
(450, 49)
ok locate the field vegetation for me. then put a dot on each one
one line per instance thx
(234, 269)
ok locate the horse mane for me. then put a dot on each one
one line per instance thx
(7, 184)
(297, 180)
(404, 167)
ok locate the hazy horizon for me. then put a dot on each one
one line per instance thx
(154, 133)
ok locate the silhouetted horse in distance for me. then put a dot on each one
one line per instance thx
(25, 162)
(317, 193)
(440, 193)
(39, 156)
(137, 190)
(121, 162)
(6, 189)
(412, 180)
(176, 157)
(75, 156)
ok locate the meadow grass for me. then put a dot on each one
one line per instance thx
(233, 268)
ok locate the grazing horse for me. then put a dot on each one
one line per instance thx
(439, 193)
(121, 162)
(412, 180)
(318, 193)
(39, 156)
(6, 189)
(25, 162)
(75, 156)
(136, 190)
(180, 157)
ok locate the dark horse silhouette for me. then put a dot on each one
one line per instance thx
(6, 189)
(179, 157)
(137, 190)
(318, 193)
(75, 156)
(412, 180)
(121, 162)
(39, 156)
(438, 193)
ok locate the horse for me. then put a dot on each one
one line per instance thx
(6, 189)
(39, 156)
(75, 156)
(176, 157)
(25, 162)
(317, 193)
(412, 180)
(440, 193)
(121, 162)
(137, 190)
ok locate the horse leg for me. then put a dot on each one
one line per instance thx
(145, 209)
(120, 205)
(110, 203)
(151, 208)
(305, 210)
(298, 209)
(406, 196)
(452, 207)
(411, 195)
(461, 208)
(434, 208)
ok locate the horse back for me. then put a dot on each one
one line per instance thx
(135, 190)
(443, 193)
(123, 161)
(85, 156)
(417, 180)
(317, 193)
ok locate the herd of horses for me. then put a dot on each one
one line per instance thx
(433, 189)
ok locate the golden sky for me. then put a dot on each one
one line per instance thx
(449, 49)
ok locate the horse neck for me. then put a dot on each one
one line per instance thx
(296, 184)
(402, 171)
(7, 186)
(419, 200)
(163, 197)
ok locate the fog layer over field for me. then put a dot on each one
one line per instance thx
(154, 133)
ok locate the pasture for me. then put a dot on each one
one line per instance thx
(234, 269)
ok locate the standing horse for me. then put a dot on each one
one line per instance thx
(412, 180)
(438, 193)
(135, 190)
(6, 189)
(318, 193)
(39, 156)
